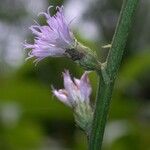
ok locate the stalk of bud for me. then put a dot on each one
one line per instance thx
(84, 56)
(83, 114)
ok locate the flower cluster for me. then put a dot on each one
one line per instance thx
(51, 39)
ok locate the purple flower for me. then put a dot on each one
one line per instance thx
(76, 90)
(51, 39)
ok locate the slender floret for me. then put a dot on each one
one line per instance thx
(51, 39)
(76, 90)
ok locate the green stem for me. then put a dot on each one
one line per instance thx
(105, 89)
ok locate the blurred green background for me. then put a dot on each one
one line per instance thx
(31, 118)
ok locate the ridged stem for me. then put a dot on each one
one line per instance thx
(105, 89)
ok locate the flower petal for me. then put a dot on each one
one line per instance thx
(85, 87)
(77, 82)
(62, 96)
(70, 87)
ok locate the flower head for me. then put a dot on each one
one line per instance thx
(76, 95)
(51, 39)
(76, 90)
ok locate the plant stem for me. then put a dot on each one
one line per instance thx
(105, 89)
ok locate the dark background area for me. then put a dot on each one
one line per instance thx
(31, 118)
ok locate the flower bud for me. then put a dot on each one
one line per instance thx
(77, 96)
